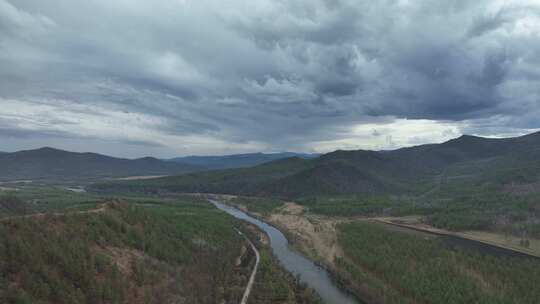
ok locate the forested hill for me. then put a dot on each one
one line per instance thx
(238, 160)
(407, 170)
(58, 165)
(240, 180)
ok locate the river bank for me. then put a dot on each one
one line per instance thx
(318, 237)
(310, 238)
(309, 273)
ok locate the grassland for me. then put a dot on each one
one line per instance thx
(38, 198)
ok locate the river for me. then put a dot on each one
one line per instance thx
(309, 273)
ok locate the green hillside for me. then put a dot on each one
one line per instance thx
(410, 171)
(136, 251)
(237, 160)
(53, 165)
(243, 180)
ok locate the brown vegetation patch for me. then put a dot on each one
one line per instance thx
(315, 235)
(122, 257)
(522, 189)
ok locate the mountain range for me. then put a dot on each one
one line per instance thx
(49, 164)
(54, 165)
(238, 160)
(465, 160)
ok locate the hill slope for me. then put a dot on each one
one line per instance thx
(409, 170)
(240, 181)
(56, 165)
(237, 160)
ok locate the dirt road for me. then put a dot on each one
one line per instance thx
(482, 237)
(249, 286)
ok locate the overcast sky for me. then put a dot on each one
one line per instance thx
(177, 77)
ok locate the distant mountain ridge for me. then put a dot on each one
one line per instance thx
(58, 165)
(467, 159)
(238, 160)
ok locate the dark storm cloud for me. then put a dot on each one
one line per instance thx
(204, 76)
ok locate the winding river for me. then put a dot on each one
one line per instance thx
(309, 273)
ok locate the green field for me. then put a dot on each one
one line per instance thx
(45, 198)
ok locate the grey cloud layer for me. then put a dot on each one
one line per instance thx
(283, 74)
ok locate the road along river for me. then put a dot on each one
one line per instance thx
(309, 273)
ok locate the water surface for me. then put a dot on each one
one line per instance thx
(311, 274)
